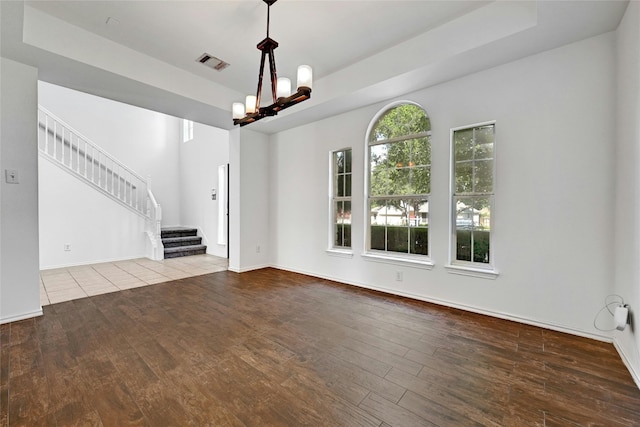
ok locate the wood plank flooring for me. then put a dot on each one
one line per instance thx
(273, 348)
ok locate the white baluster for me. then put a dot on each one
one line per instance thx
(55, 141)
(46, 134)
(77, 154)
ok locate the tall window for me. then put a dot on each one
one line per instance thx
(187, 130)
(341, 197)
(472, 194)
(399, 150)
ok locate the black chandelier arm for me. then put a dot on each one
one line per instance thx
(274, 74)
(302, 94)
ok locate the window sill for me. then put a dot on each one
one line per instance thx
(426, 264)
(341, 253)
(472, 271)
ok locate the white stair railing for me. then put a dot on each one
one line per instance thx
(154, 219)
(70, 150)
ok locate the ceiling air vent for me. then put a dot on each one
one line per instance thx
(212, 62)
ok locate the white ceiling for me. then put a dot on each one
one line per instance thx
(329, 35)
(362, 52)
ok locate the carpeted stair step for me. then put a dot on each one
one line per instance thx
(172, 232)
(185, 251)
(174, 242)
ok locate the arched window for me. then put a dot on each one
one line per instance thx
(399, 181)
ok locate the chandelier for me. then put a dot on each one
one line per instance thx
(251, 111)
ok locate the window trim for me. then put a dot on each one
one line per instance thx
(397, 258)
(470, 268)
(340, 251)
(187, 130)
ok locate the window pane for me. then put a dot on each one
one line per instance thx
(339, 161)
(340, 186)
(379, 154)
(482, 205)
(399, 121)
(346, 221)
(347, 185)
(338, 241)
(464, 176)
(421, 180)
(419, 231)
(378, 224)
(481, 243)
(483, 176)
(463, 144)
(484, 142)
(339, 213)
(399, 154)
(463, 245)
(464, 214)
(421, 152)
(397, 238)
(347, 161)
(379, 184)
(399, 181)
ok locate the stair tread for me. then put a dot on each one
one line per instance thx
(185, 248)
(173, 232)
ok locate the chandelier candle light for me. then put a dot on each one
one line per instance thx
(250, 111)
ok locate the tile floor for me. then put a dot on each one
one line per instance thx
(66, 284)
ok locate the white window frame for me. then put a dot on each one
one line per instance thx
(187, 130)
(400, 259)
(471, 268)
(332, 249)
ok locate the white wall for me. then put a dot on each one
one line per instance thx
(96, 228)
(19, 280)
(627, 235)
(555, 188)
(249, 201)
(199, 161)
(146, 141)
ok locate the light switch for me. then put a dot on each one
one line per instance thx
(11, 176)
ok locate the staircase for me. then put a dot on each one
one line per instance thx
(181, 241)
(76, 154)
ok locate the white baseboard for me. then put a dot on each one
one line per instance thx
(253, 267)
(75, 264)
(627, 362)
(500, 315)
(22, 316)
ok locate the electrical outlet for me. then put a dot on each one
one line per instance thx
(399, 276)
(67, 247)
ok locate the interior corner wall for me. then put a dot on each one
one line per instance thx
(553, 229)
(248, 200)
(19, 270)
(199, 161)
(627, 206)
(146, 141)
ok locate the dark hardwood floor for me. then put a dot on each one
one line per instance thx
(272, 348)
